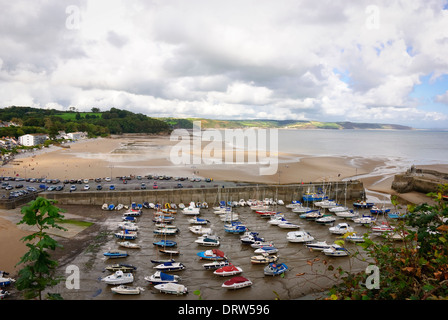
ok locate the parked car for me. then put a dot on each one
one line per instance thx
(86, 187)
(143, 186)
(112, 187)
(73, 188)
(99, 187)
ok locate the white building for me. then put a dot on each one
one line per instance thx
(76, 135)
(34, 139)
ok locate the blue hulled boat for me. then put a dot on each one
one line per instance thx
(165, 243)
(274, 269)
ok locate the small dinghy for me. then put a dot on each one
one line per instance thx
(161, 277)
(237, 283)
(274, 269)
(119, 277)
(172, 288)
(229, 270)
(122, 289)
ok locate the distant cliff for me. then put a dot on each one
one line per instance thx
(187, 123)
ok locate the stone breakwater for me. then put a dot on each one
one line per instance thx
(419, 180)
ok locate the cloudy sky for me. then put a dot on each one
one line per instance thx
(361, 61)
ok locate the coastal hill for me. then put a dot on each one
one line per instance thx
(280, 124)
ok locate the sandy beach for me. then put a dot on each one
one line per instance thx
(119, 156)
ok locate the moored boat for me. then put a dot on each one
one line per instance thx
(130, 245)
(299, 236)
(229, 270)
(237, 283)
(263, 258)
(215, 264)
(170, 266)
(161, 277)
(213, 254)
(126, 235)
(336, 250)
(172, 288)
(122, 289)
(363, 204)
(165, 243)
(208, 241)
(119, 277)
(126, 268)
(318, 245)
(341, 228)
(274, 269)
(115, 254)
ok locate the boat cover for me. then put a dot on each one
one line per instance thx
(217, 252)
(235, 280)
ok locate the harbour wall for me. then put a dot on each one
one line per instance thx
(341, 191)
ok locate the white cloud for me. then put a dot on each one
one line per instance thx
(231, 59)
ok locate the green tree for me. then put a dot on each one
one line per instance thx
(38, 272)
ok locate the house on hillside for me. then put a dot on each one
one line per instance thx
(34, 139)
(76, 135)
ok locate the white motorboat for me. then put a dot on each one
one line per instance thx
(237, 283)
(318, 245)
(166, 231)
(198, 229)
(197, 220)
(172, 288)
(215, 264)
(170, 266)
(191, 210)
(299, 236)
(263, 258)
(353, 237)
(301, 209)
(277, 219)
(341, 228)
(208, 241)
(338, 209)
(229, 270)
(118, 278)
(128, 244)
(383, 227)
(365, 220)
(326, 203)
(229, 217)
(122, 289)
(336, 250)
(288, 225)
(266, 249)
(260, 243)
(326, 219)
(160, 277)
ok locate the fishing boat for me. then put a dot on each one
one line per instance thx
(274, 269)
(318, 245)
(216, 264)
(121, 267)
(326, 219)
(165, 243)
(119, 277)
(299, 236)
(115, 254)
(197, 220)
(208, 241)
(122, 289)
(266, 249)
(126, 235)
(341, 228)
(237, 283)
(336, 250)
(130, 226)
(376, 210)
(198, 229)
(288, 225)
(172, 288)
(263, 258)
(363, 204)
(235, 227)
(128, 244)
(213, 254)
(229, 270)
(160, 277)
(170, 266)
